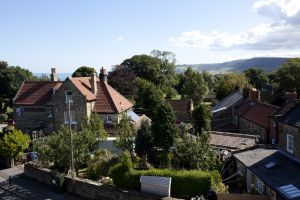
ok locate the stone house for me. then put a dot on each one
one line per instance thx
(49, 103)
(275, 170)
(251, 116)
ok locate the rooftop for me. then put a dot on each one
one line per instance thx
(228, 101)
(293, 116)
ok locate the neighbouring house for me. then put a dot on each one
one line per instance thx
(210, 97)
(45, 106)
(275, 170)
(223, 112)
(183, 109)
(251, 116)
(290, 102)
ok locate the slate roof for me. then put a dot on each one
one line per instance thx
(36, 92)
(256, 112)
(182, 109)
(285, 108)
(292, 117)
(228, 101)
(108, 100)
(232, 141)
(286, 170)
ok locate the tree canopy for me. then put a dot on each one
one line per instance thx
(288, 76)
(256, 77)
(144, 140)
(230, 82)
(194, 86)
(83, 71)
(201, 117)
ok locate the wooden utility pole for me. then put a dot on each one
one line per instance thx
(71, 141)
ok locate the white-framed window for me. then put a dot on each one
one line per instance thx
(69, 96)
(259, 186)
(19, 112)
(109, 119)
(73, 117)
(290, 143)
(50, 112)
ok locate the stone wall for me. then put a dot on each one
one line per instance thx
(34, 118)
(60, 106)
(86, 188)
(283, 130)
(250, 128)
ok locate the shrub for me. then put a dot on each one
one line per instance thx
(3, 118)
(100, 164)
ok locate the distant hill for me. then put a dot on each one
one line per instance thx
(268, 64)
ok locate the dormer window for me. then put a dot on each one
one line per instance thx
(69, 96)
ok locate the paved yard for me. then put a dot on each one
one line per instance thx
(22, 187)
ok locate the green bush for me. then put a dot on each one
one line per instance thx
(100, 164)
(3, 118)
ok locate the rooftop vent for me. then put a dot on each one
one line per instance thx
(290, 191)
(244, 141)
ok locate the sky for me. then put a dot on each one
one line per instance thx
(67, 34)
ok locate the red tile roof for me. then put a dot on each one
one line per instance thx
(256, 112)
(108, 100)
(35, 92)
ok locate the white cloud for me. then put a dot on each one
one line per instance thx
(118, 39)
(282, 33)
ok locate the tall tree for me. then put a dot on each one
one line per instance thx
(83, 71)
(194, 86)
(164, 129)
(13, 144)
(124, 81)
(167, 71)
(288, 75)
(125, 134)
(257, 77)
(209, 79)
(230, 82)
(149, 97)
(144, 140)
(201, 117)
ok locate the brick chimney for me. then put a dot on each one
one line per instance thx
(103, 75)
(255, 95)
(290, 96)
(53, 75)
(94, 82)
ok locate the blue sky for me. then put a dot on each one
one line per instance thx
(67, 34)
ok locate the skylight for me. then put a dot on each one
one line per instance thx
(290, 191)
(270, 164)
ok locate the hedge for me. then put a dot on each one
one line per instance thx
(3, 118)
(185, 184)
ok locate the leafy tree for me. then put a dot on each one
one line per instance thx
(145, 67)
(125, 134)
(194, 86)
(288, 76)
(83, 71)
(209, 79)
(144, 141)
(11, 78)
(13, 144)
(195, 153)
(167, 71)
(149, 97)
(54, 149)
(164, 129)
(124, 81)
(257, 77)
(230, 82)
(201, 116)
(180, 82)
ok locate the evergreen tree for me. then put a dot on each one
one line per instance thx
(144, 140)
(201, 117)
(164, 129)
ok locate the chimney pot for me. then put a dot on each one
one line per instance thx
(103, 75)
(94, 82)
(53, 75)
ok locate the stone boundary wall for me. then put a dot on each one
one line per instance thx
(85, 188)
